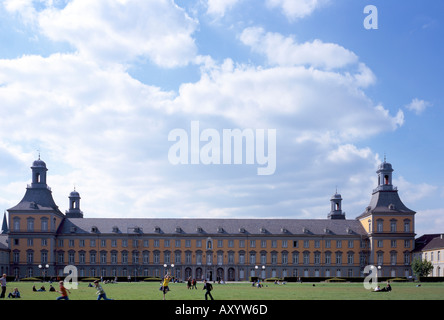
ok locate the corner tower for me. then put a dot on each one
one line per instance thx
(390, 226)
(34, 218)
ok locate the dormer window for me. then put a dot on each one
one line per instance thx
(157, 229)
(199, 229)
(115, 229)
(94, 229)
(242, 230)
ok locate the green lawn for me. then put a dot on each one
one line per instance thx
(239, 291)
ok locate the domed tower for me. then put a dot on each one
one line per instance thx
(336, 210)
(39, 174)
(74, 206)
(390, 226)
(35, 216)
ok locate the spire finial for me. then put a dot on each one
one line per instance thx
(385, 158)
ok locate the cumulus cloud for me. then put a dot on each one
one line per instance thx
(219, 7)
(285, 51)
(418, 106)
(294, 9)
(117, 31)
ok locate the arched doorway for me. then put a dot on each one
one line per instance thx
(220, 274)
(231, 274)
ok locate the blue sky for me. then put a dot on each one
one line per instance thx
(98, 86)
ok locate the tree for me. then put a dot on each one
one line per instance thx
(421, 268)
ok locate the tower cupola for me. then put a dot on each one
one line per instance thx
(385, 177)
(336, 210)
(74, 206)
(39, 174)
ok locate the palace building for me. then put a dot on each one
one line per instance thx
(44, 240)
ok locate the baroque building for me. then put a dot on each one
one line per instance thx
(43, 239)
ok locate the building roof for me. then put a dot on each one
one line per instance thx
(36, 199)
(386, 202)
(212, 226)
(4, 242)
(429, 242)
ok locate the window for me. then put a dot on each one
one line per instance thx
(393, 226)
(263, 258)
(16, 224)
(71, 257)
(406, 226)
(30, 224)
(328, 258)
(379, 226)
(350, 258)
(103, 257)
(338, 244)
(295, 257)
(338, 257)
(317, 257)
(306, 257)
(44, 224)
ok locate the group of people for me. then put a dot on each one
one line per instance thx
(387, 288)
(191, 284)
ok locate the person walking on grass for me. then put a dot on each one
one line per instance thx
(207, 286)
(63, 291)
(100, 292)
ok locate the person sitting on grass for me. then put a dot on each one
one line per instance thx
(14, 294)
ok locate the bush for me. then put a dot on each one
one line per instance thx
(90, 279)
(30, 279)
(152, 279)
(335, 280)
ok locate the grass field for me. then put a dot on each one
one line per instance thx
(239, 291)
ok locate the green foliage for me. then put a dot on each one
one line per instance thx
(335, 280)
(421, 268)
(30, 279)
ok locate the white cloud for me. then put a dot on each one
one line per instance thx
(117, 30)
(294, 9)
(417, 106)
(219, 7)
(285, 51)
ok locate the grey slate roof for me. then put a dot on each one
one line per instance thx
(386, 202)
(37, 199)
(212, 226)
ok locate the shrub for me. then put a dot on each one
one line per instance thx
(152, 279)
(335, 280)
(30, 279)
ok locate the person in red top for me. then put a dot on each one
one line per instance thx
(63, 291)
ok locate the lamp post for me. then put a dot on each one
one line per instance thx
(263, 271)
(43, 269)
